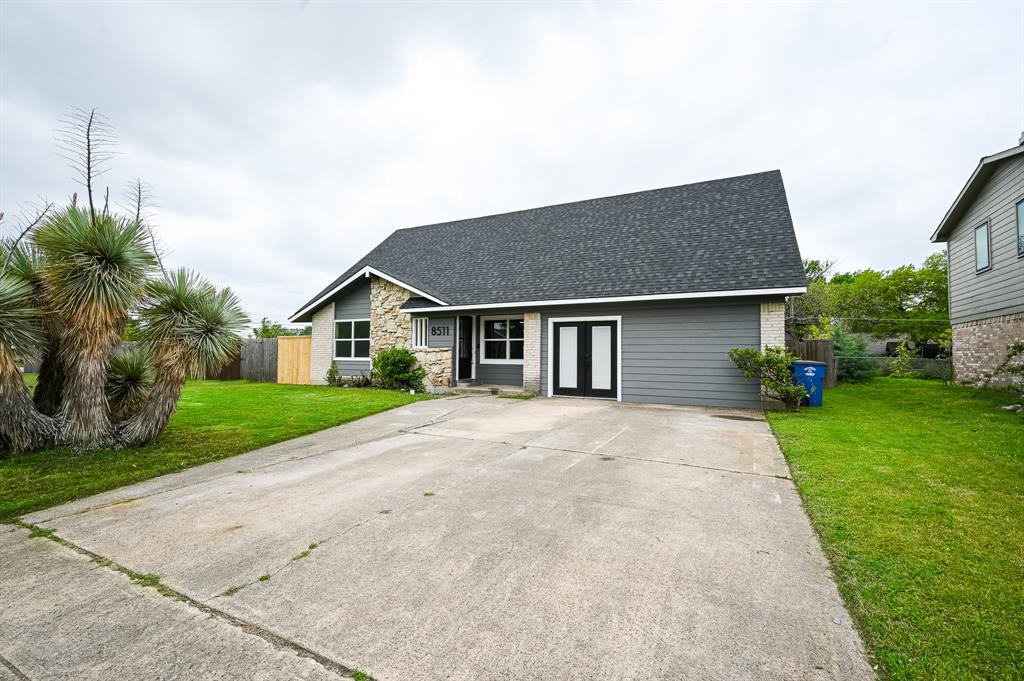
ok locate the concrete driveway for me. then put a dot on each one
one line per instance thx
(464, 538)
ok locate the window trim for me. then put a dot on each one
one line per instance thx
(1020, 227)
(353, 339)
(988, 237)
(419, 332)
(483, 339)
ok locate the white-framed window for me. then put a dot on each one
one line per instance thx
(419, 332)
(352, 339)
(501, 339)
(982, 248)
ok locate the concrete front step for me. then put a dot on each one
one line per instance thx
(484, 389)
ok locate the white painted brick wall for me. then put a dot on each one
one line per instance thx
(322, 351)
(531, 351)
(773, 324)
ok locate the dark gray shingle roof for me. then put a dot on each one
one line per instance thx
(729, 234)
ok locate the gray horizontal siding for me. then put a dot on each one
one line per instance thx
(999, 290)
(677, 352)
(499, 374)
(353, 367)
(354, 301)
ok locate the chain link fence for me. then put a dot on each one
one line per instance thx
(875, 365)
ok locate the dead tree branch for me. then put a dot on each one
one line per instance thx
(86, 142)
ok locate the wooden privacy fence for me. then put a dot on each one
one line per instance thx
(293, 359)
(816, 351)
(259, 360)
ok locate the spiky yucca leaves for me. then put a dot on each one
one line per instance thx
(96, 271)
(190, 328)
(27, 263)
(130, 376)
(21, 426)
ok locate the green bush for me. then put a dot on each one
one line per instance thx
(397, 369)
(852, 362)
(130, 377)
(332, 374)
(772, 368)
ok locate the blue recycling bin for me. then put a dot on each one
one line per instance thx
(811, 375)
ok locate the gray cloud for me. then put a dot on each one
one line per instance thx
(283, 141)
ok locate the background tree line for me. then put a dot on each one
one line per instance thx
(907, 302)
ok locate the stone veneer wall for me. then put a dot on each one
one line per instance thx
(438, 363)
(322, 351)
(390, 327)
(980, 346)
(531, 351)
(773, 324)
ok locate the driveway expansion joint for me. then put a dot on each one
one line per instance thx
(18, 674)
(275, 640)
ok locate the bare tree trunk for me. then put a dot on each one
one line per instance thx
(84, 414)
(21, 426)
(145, 426)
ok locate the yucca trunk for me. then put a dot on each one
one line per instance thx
(85, 414)
(147, 424)
(22, 427)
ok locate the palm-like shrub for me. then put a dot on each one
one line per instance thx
(68, 284)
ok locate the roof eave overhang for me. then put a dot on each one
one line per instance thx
(364, 272)
(760, 292)
(968, 192)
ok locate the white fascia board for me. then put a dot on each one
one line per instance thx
(985, 160)
(365, 272)
(793, 290)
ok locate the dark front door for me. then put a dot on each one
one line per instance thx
(466, 325)
(586, 359)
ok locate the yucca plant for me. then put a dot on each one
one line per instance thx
(68, 284)
(130, 377)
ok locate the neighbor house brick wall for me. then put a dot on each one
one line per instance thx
(389, 326)
(980, 346)
(531, 351)
(773, 324)
(322, 351)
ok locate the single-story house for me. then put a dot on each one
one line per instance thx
(636, 297)
(984, 235)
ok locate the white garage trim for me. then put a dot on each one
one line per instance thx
(618, 349)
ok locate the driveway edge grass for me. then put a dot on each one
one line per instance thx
(913, 489)
(215, 420)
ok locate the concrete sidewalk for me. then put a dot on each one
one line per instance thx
(470, 538)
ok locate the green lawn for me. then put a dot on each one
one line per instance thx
(215, 419)
(917, 492)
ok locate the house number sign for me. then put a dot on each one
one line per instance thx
(440, 330)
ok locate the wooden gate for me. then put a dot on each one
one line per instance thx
(293, 359)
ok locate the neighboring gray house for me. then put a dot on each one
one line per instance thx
(637, 297)
(984, 233)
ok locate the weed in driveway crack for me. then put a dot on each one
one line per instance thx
(153, 581)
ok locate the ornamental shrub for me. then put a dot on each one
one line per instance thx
(772, 368)
(397, 369)
(851, 350)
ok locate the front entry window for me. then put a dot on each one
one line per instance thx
(502, 340)
(352, 339)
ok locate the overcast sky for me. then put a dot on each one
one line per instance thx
(282, 141)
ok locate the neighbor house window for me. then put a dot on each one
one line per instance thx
(419, 332)
(502, 340)
(982, 258)
(1020, 227)
(352, 339)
